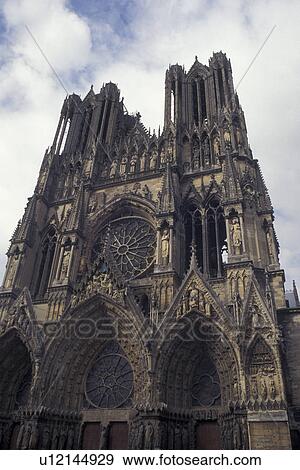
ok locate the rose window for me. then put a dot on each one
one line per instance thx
(109, 383)
(129, 243)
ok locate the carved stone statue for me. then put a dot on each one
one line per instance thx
(113, 169)
(20, 436)
(92, 205)
(104, 437)
(255, 318)
(70, 439)
(65, 263)
(149, 434)
(163, 156)
(133, 163)
(270, 246)
(236, 236)
(263, 389)
(193, 297)
(45, 438)
(272, 390)
(206, 152)
(143, 161)
(216, 146)
(26, 437)
(165, 239)
(12, 270)
(140, 437)
(170, 152)
(227, 137)
(123, 166)
(239, 138)
(153, 159)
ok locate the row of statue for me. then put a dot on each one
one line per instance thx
(68, 181)
(234, 433)
(59, 436)
(158, 434)
(134, 164)
(262, 387)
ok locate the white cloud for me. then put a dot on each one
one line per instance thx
(134, 52)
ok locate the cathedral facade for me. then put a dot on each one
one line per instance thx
(143, 304)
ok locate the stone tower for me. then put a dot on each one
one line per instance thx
(139, 304)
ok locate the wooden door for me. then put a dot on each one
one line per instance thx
(91, 436)
(118, 436)
(208, 435)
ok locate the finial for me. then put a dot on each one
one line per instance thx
(92, 87)
(196, 58)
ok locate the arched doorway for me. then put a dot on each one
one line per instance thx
(197, 375)
(107, 401)
(15, 383)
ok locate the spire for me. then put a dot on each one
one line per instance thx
(231, 181)
(90, 95)
(265, 201)
(167, 196)
(295, 292)
(25, 226)
(75, 218)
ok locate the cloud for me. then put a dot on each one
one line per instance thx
(132, 43)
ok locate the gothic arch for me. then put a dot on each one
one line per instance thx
(187, 344)
(16, 370)
(90, 326)
(45, 261)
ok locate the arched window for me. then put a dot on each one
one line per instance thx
(206, 230)
(195, 103)
(221, 87)
(194, 232)
(202, 99)
(173, 102)
(46, 262)
(216, 237)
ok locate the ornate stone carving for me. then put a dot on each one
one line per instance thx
(143, 160)
(216, 147)
(165, 240)
(227, 137)
(153, 159)
(123, 166)
(98, 283)
(236, 236)
(133, 163)
(113, 169)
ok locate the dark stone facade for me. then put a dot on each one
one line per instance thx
(140, 301)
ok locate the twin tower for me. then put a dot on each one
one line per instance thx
(140, 303)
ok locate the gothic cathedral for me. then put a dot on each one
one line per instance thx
(141, 300)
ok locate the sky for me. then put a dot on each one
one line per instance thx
(131, 43)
